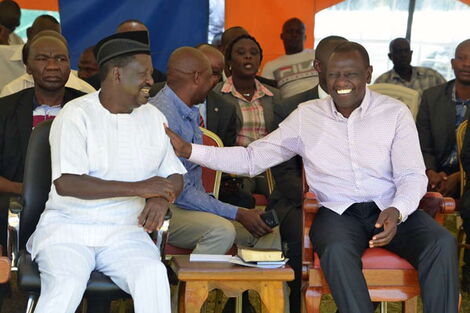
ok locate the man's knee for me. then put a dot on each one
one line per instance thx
(446, 243)
(223, 232)
(338, 252)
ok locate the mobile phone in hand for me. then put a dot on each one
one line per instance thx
(270, 218)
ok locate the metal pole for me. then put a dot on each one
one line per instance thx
(411, 12)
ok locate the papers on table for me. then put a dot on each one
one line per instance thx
(234, 259)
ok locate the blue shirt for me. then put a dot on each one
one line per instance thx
(184, 121)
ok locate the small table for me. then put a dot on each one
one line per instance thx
(198, 278)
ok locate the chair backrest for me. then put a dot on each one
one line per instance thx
(36, 180)
(210, 178)
(408, 96)
(460, 135)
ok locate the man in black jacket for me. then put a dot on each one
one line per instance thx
(48, 63)
(443, 108)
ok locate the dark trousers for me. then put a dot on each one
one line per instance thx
(340, 241)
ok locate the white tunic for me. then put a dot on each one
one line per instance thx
(87, 139)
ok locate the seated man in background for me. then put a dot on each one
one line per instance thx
(87, 65)
(128, 26)
(199, 221)
(11, 61)
(443, 108)
(113, 176)
(20, 112)
(216, 114)
(446, 106)
(293, 72)
(10, 16)
(362, 159)
(403, 73)
(26, 80)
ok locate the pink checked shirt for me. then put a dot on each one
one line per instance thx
(374, 155)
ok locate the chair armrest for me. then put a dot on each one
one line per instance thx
(160, 236)
(310, 209)
(437, 206)
(14, 210)
(5, 269)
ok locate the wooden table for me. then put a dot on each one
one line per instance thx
(198, 278)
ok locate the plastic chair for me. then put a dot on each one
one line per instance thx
(408, 96)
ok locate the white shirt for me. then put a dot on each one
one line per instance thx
(87, 139)
(11, 65)
(294, 73)
(374, 155)
(27, 81)
(14, 39)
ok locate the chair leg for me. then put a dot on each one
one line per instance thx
(383, 307)
(312, 300)
(31, 303)
(410, 305)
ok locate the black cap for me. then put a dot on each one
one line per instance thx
(127, 43)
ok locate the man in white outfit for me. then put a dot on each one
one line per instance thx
(114, 174)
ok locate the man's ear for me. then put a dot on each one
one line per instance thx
(116, 74)
(390, 56)
(369, 74)
(28, 69)
(316, 65)
(196, 77)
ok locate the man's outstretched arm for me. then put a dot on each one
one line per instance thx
(280, 145)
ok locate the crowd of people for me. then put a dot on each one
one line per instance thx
(126, 147)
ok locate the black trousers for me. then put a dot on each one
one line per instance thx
(340, 241)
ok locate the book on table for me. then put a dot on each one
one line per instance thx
(260, 255)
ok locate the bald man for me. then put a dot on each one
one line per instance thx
(201, 222)
(294, 71)
(21, 111)
(128, 26)
(216, 114)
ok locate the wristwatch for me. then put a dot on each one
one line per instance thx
(400, 217)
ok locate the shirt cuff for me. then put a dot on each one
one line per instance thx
(197, 153)
(403, 208)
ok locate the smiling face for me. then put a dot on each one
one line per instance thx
(461, 63)
(245, 58)
(347, 76)
(48, 63)
(136, 80)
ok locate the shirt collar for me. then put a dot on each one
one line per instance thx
(362, 109)
(322, 94)
(183, 109)
(415, 72)
(260, 91)
(456, 99)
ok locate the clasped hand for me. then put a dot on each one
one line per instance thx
(159, 193)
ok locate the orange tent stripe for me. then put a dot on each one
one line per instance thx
(264, 19)
(48, 5)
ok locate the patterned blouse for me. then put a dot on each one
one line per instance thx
(254, 125)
